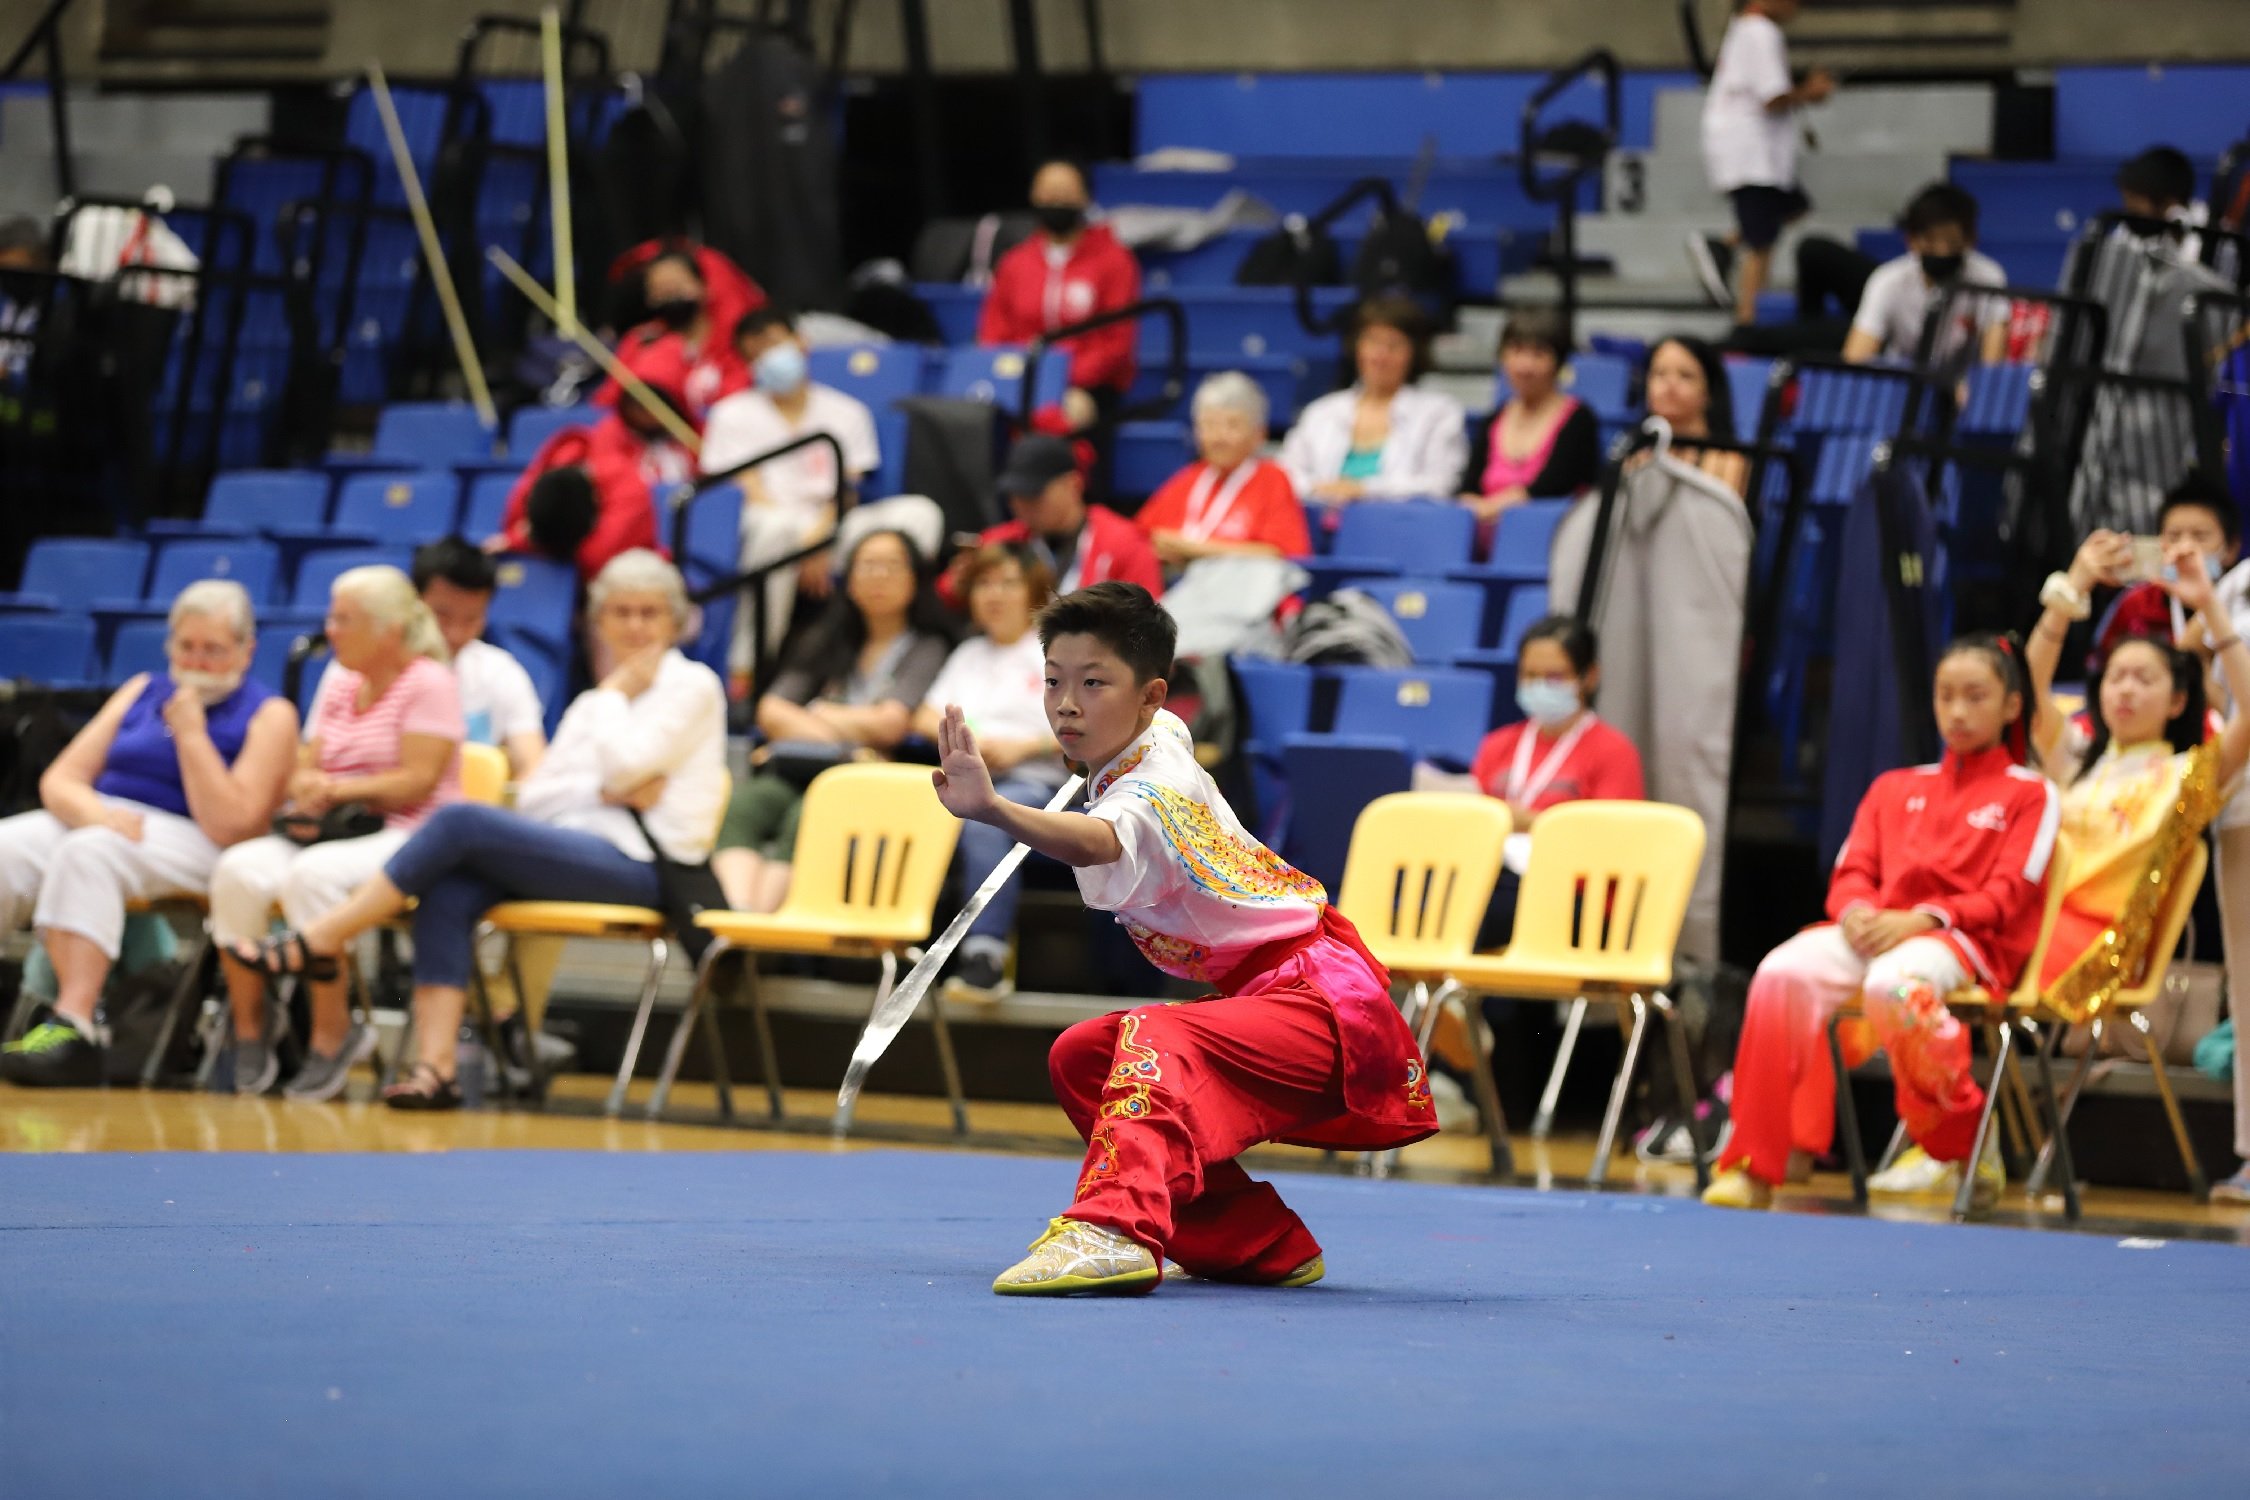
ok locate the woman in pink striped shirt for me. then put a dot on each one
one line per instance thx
(384, 735)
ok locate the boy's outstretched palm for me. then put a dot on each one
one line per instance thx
(963, 781)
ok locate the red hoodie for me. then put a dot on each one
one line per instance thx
(624, 468)
(1966, 841)
(1030, 296)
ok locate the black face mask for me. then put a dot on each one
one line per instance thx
(1942, 268)
(678, 312)
(1059, 218)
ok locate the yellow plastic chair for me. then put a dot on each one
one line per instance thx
(1599, 913)
(1419, 875)
(484, 774)
(588, 919)
(872, 849)
(1978, 1006)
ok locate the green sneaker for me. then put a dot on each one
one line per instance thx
(53, 1054)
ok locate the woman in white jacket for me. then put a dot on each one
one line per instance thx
(650, 739)
(1385, 438)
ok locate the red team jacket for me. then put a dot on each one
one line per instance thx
(1967, 841)
(1028, 297)
(1109, 547)
(617, 460)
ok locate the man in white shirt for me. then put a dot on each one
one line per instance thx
(790, 502)
(1750, 149)
(456, 580)
(1941, 239)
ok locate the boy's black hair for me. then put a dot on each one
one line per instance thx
(458, 562)
(560, 511)
(1567, 631)
(760, 318)
(1124, 617)
(2161, 174)
(2205, 491)
(1937, 205)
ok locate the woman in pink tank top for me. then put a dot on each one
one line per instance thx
(1542, 443)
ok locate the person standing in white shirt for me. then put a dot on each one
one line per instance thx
(790, 502)
(457, 581)
(998, 679)
(1750, 149)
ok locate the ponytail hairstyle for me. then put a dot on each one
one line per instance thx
(388, 596)
(2184, 731)
(2004, 654)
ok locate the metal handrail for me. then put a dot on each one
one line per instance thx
(1175, 364)
(46, 33)
(1599, 62)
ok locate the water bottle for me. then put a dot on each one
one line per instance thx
(468, 1068)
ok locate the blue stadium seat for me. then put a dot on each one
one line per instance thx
(874, 374)
(1999, 404)
(1747, 380)
(270, 663)
(49, 650)
(249, 501)
(1441, 714)
(1336, 776)
(889, 477)
(1441, 621)
(1376, 539)
(1846, 460)
(487, 504)
(1521, 541)
(996, 375)
(1604, 382)
(531, 426)
(318, 571)
(249, 561)
(1867, 400)
(430, 434)
(62, 571)
(1527, 605)
(138, 646)
(398, 509)
(955, 306)
(713, 552)
(1148, 453)
(535, 596)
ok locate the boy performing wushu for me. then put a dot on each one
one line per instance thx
(1300, 1042)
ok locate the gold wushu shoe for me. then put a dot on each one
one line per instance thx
(1073, 1259)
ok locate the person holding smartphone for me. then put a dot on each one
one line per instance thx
(2199, 512)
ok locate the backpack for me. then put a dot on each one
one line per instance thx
(1348, 628)
(1296, 254)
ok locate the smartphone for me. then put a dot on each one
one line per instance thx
(2148, 560)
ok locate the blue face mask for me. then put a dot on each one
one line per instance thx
(1546, 703)
(2211, 566)
(780, 371)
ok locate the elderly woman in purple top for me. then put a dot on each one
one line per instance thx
(172, 770)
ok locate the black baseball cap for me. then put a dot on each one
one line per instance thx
(1036, 462)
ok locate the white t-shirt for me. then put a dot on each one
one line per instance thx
(1898, 297)
(1001, 690)
(747, 423)
(1745, 144)
(497, 697)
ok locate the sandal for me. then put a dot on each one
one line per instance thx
(423, 1088)
(287, 954)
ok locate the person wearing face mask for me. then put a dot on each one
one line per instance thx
(690, 299)
(1066, 273)
(1560, 752)
(790, 502)
(174, 768)
(2199, 512)
(1941, 240)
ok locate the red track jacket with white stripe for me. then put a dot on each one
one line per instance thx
(1968, 841)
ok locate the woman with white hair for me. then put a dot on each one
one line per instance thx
(1230, 500)
(136, 808)
(644, 749)
(381, 753)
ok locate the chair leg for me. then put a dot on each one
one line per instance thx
(2036, 1183)
(488, 1025)
(1965, 1199)
(2198, 1188)
(2071, 1206)
(676, 1052)
(220, 1029)
(1847, 1113)
(1488, 1091)
(658, 951)
(1638, 1009)
(537, 1069)
(1422, 1015)
(949, 1065)
(1543, 1123)
(761, 1027)
(1683, 1082)
(183, 995)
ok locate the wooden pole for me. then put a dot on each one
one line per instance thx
(632, 384)
(433, 253)
(558, 165)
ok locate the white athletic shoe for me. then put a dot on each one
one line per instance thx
(1918, 1175)
(1074, 1257)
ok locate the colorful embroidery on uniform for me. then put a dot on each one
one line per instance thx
(1106, 1167)
(1221, 861)
(1121, 770)
(1137, 1067)
(1417, 1085)
(1175, 956)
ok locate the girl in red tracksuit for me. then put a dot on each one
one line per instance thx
(1941, 884)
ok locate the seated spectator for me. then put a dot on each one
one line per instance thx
(2200, 513)
(997, 678)
(1385, 438)
(499, 706)
(1686, 384)
(1230, 500)
(590, 492)
(1542, 444)
(1080, 544)
(1067, 272)
(1896, 297)
(1940, 885)
(1560, 752)
(787, 503)
(2160, 184)
(691, 300)
(851, 685)
(173, 768)
(644, 748)
(381, 753)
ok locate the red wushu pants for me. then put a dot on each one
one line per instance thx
(1167, 1096)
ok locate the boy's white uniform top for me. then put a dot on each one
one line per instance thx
(1194, 890)
(1744, 144)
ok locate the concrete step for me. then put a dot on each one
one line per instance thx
(27, 179)
(178, 124)
(1652, 247)
(1935, 117)
(1869, 187)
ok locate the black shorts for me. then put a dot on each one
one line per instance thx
(1762, 212)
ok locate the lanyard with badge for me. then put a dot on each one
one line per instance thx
(1524, 785)
(1206, 512)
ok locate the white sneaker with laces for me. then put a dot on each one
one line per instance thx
(1915, 1175)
